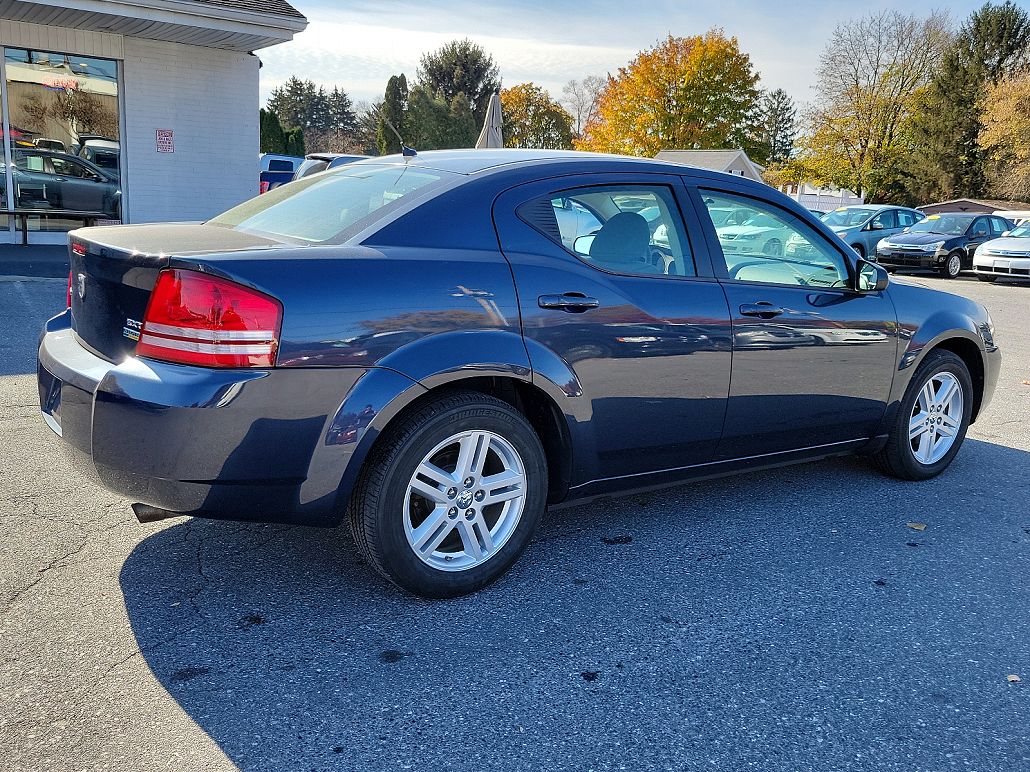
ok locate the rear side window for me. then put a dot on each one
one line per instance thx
(907, 219)
(999, 225)
(633, 230)
(280, 166)
(332, 206)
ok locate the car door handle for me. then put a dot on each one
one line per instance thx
(761, 309)
(573, 302)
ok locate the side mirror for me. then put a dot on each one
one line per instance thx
(876, 226)
(581, 246)
(871, 277)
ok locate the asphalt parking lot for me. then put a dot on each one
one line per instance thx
(784, 620)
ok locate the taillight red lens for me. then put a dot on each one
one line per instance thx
(69, 289)
(196, 319)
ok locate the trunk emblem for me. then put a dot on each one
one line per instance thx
(82, 286)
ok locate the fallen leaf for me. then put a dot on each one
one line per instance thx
(1026, 383)
(917, 526)
(1013, 679)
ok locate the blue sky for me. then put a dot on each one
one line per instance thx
(358, 45)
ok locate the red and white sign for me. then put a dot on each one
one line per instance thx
(165, 142)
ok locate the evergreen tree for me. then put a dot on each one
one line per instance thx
(302, 104)
(393, 109)
(948, 161)
(272, 138)
(461, 67)
(295, 142)
(435, 123)
(779, 126)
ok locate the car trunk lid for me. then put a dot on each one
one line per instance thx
(114, 269)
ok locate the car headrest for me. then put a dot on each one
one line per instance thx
(623, 239)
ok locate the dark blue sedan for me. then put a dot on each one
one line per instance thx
(433, 351)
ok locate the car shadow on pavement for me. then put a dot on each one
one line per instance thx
(795, 618)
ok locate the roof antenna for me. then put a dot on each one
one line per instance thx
(407, 152)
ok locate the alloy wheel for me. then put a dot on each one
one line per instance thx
(936, 418)
(464, 500)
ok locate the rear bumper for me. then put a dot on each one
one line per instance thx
(230, 444)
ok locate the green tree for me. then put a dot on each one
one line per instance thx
(948, 160)
(301, 104)
(295, 142)
(686, 93)
(393, 108)
(778, 127)
(533, 120)
(870, 77)
(272, 137)
(436, 123)
(461, 67)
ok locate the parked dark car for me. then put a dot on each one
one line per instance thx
(45, 179)
(943, 242)
(410, 345)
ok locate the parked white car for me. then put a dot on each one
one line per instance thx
(1007, 257)
(760, 234)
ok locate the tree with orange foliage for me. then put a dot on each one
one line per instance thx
(685, 93)
(1006, 136)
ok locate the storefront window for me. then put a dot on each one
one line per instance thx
(62, 123)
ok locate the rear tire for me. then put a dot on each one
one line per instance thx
(919, 446)
(461, 526)
(987, 277)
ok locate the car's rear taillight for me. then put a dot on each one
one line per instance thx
(196, 319)
(69, 289)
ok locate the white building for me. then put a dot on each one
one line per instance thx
(729, 161)
(134, 111)
(821, 199)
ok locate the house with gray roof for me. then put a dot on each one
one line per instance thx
(729, 161)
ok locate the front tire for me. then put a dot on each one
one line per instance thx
(450, 496)
(952, 265)
(859, 250)
(932, 419)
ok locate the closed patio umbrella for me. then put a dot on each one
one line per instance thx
(491, 135)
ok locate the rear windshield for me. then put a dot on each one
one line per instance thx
(332, 206)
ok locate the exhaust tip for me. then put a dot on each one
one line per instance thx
(148, 514)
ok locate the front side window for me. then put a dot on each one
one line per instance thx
(775, 247)
(980, 228)
(885, 220)
(634, 230)
(331, 206)
(69, 168)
